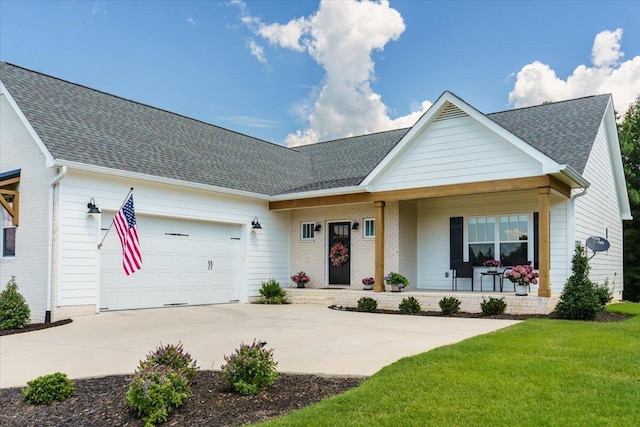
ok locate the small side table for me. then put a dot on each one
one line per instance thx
(493, 275)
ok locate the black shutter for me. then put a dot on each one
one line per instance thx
(456, 240)
(536, 242)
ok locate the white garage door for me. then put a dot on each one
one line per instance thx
(183, 263)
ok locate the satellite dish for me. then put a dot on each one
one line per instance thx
(598, 244)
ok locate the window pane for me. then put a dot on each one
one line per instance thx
(9, 242)
(504, 228)
(369, 228)
(472, 230)
(7, 220)
(524, 227)
(482, 234)
(491, 230)
(308, 232)
(480, 252)
(514, 254)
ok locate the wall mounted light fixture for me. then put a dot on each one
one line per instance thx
(355, 225)
(93, 209)
(318, 227)
(255, 224)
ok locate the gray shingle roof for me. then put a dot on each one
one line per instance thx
(88, 126)
(84, 125)
(564, 131)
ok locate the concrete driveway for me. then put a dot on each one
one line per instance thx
(306, 339)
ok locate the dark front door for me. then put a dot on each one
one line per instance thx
(339, 253)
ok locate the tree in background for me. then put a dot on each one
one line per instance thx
(629, 133)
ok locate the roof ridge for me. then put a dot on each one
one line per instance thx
(352, 137)
(548, 103)
(147, 105)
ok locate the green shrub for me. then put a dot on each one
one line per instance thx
(272, 293)
(367, 304)
(449, 305)
(398, 280)
(604, 293)
(174, 357)
(409, 305)
(250, 369)
(493, 307)
(47, 388)
(14, 311)
(155, 391)
(581, 299)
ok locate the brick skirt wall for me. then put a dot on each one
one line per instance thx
(470, 301)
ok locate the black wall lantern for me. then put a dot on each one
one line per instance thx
(93, 209)
(355, 225)
(318, 227)
(255, 224)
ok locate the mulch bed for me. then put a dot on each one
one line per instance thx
(34, 327)
(101, 401)
(604, 317)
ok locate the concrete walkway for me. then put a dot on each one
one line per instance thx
(306, 339)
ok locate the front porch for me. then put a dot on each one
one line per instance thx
(470, 301)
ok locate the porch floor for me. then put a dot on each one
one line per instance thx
(428, 299)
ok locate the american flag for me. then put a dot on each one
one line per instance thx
(125, 223)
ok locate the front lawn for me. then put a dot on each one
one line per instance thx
(541, 372)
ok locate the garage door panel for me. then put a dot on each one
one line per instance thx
(184, 262)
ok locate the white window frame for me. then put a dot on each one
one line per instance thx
(4, 216)
(497, 237)
(365, 229)
(311, 234)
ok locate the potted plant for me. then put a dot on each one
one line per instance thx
(368, 283)
(397, 281)
(522, 276)
(492, 265)
(300, 278)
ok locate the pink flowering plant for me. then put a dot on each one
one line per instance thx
(368, 281)
(492, 263)
(300, 277)
(522, 275)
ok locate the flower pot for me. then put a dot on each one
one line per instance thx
(301, 284)
(367, 287)
(521, 290)
(394, 288)
(492, 269)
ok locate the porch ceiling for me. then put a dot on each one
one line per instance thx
(484, 187)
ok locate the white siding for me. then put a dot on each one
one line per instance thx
(264, 254)
(456, 150)
(599, 211)
(18, 150)
(433, 234)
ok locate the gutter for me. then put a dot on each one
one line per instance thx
(54, 183)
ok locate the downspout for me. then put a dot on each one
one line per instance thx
(54, 183)
(572, 207)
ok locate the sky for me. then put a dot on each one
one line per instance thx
(298, 72)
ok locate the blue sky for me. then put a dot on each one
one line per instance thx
(297, 72)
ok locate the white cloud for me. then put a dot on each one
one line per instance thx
(341, 37)
(99, 8)
(257, 51)
(191, 21)
(538, 82)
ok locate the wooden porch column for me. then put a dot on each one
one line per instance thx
(379, 260)
(544, 232)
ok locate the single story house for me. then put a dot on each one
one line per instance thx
(523, 185)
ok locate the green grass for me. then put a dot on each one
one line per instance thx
(540, 372)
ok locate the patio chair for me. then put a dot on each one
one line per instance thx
(463, 270)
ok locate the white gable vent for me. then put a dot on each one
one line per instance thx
(450, 112)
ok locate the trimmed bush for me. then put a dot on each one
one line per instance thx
(250, 369)
(174, 357)
(47, 388)
(14, 311)
(493, 307)
(604, 293)
(272, 293)
(367, 304)
(449, 305)
(409, 305)
(155, 391)
(581, 299)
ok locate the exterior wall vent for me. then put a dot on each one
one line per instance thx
(450, 112)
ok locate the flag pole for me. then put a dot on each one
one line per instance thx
(109, 229)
